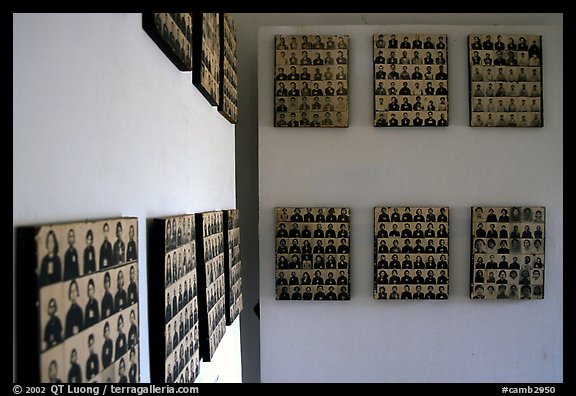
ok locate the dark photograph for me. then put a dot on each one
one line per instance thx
(228, 105)
(311, 81)
(507, 252)
(411, 253)
(410, 80)
(505, 80)
(87, 300)
(206, 55)
(172, 32)
(312, 253)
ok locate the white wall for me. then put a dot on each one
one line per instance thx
(360, 167)
(105, 125)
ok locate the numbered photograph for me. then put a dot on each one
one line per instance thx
(505, 72)
(507, 259)
(311, 81)
(410, 80)
(312, 247)
(411, 255)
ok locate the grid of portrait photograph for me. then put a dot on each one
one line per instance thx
(228, 105)
(87, 276)
(311, 81)
(234, 301)
(312, 248)
(507, 260)
(210, 234)
(172, 32)
(505, 80)
(182, 357)
(410, 80)
(411, 253)
(206, 77)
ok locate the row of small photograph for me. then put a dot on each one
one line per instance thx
(316, 293)
(507, 74)
(505, 105)
(506, 120)
(309, 261)
(514, 214)
(409, 41)
(314, 58)
(318, 73)
(508, 261)
(511, 42)
(489, 292)
(411, 292)
(432, 230)
(510, 276)
(321, 277)
(520, 230)
(384, 119)
(410, 73)
(302, 103)
(311, 42)
(410, 56)
(433, 261)
(320, 88)
(505, 89)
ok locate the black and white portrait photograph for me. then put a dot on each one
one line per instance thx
(312, 253)
(410, 80)
(233, 265)
(411, 253)
(206, 55)
(505, 73)
(172, 32)
(87, 298)
(228, 105)
(507, 256)
(211, 281)
(173, 266)
(311, 81)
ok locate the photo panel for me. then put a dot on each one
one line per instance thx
(505, 73)
(411, 249)
(228, 105)
(172, 32)
(311, 81)
(86, 274)
(410, 80)
(312, 248)
(173, 298)
(206, 55)
(507, 252)
(211, 281)
(233, 265)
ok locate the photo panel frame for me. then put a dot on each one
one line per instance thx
(232, 265)
(78, 301)
(410, 80)
(505, 77)
(311, 81)
(228, 104)
(411, 253)
(507, 252)
(206, 55)
(211, 281)
(173, 300)
(312, 261)
(172, 32)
